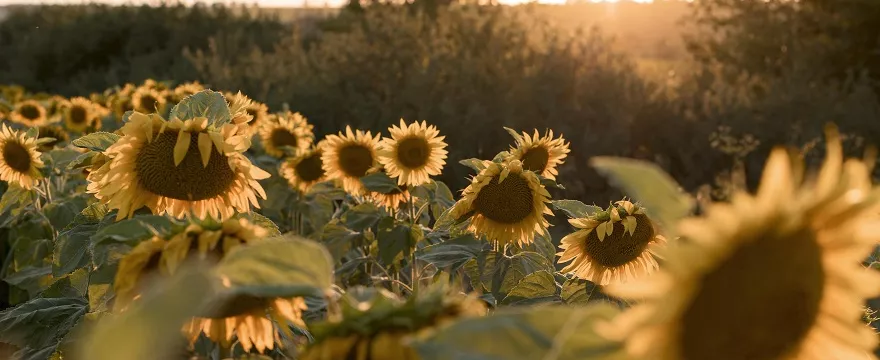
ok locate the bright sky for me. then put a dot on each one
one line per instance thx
(266, 3)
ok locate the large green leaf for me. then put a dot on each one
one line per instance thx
(15, 198)
(96, 141)
(33, 279)
(379, 182)
(650, 186)
(339, 239)
(72, 244)
(577, 291)
(394, 239)
(575, 209)
(510, 271)
(206, 103)
(526, 333)
(472, 163)
(61, 212)
(537, 286)
(362, 217)
(281, 267)
(453, 253)
(38, 326)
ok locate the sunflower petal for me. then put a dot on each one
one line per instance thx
(181, 147)
(205, 148)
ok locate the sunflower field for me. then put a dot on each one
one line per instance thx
(172, 221)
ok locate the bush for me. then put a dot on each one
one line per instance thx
(74, 50)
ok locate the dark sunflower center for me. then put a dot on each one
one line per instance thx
(77, 115)
(238, 305)
(536, 159)
(620, 247)
(253, 113)
(509, 202)
(310, 169)
(17, 156)
(29, 112)
(191, 181)
(769, 291)
(355, 160)
(283, 137)
(148, 103)
(413, 152)
(51, 133)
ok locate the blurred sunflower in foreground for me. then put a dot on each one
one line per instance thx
(304, 170)
(28, 113)
(612, 246)
(246, 318)
(286, 130)
(505, 203)
(413, 153)
(81, 115)
(179, 168)
(377, 329)
(541, 155)
(19, 158)
(350, 156)
(783, 267)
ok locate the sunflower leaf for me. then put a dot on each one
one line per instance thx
(575, 209)
(379, 182)
(96, 141)
(538, 285)
(208, 104)
(453, 253)
(33, 132)
(649, 185)
(394, 240)
(362, 217)
(285, 266)
(473, 163)
(577, 291)
(82, 161)
(527, 333)
(38, 326)
(516, 135)
(550, 183)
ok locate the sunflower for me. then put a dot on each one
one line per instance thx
(19, 158)
(392, 200)
(179, 168)
(380, 327)
(611, 246)
(783, 267)
(289, 129)
(413, 153)
(242, 316)
(505, 203)
(148, 100)
(540, 154)
(121, 101)
(348, 157)
(52, 131)
(258, 112)
(81, 115)
(184, 90)
(304, 170)
(28, 113)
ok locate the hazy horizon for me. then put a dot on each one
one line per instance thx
(268, 3)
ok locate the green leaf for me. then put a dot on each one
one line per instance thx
(14, 197)
(649, 185)
(61, 212)
(113, 241)
(73, 242)
(206, 103)
(575, 209)
(82, 161)
(510, 271)
(96, 141)
(524, 333)
(60, 158)
(32, 279)
(33, 132)
(536, 285)
(516, 136)
(338, 239)
(393, 240)
(262, 221)
(452, 253)
(379, 182)
(75, 284)
(362, 217)
(577, 291)
(39, 325)
(550, 183)
(473, 163)
(281, 267)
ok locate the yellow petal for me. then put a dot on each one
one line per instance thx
(181, 147)
(629, 224)
(205, 148)
(615, 216)
(600, 230)
(503, 175)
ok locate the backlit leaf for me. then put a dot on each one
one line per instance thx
(209, 104)
(96, 141)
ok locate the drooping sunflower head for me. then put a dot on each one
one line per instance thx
(540, 154)
(392, 200)
(19, 158)
(28, 113)
(286, 130)
(183, 90)
(54, 132)
(304, 170)
(180, 168)
(505, 203)
(413, 153)
(784, 266)
(611, 246)
(350, 156)
(82, 115)
(379, 328)
(148, 100)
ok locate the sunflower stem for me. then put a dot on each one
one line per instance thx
(412, 264)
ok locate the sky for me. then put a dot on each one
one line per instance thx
(265, 3)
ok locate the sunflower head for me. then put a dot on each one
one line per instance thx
(179, 168)
(505, 203)
(82, 115)
(288, 130)
(378, 328)
(304, 170)
(121, 101)
(611, 246)
(394, 199)
(54, 132)
(258, 113)
(29, 113)
(413, 153)
(238, 107)
(540, 154)
(19, 158)
(148, 100)
(184, 90)
(350, 156)
(784, 265)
